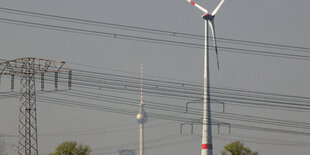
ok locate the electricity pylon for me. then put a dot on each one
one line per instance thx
(27, 68)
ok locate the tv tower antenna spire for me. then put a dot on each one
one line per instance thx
(141, 116)
(141, 84)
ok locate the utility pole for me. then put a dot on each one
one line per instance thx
(27, 68)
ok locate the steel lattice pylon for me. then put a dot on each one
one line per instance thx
(27, 68)
(28, 138)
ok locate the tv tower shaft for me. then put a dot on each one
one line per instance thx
(141, 116)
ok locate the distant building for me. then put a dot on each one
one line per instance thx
(127, 152)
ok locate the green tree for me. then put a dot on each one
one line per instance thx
(237, 148)
(71, 148)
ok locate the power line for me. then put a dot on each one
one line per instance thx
(226, 95)
(167, 117)
(140, 29)
(99, 76)
(193, 111)
(151, 40)
(163, 106)
(180, 109)
(193, 91)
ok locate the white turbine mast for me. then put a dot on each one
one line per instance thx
(207, 147)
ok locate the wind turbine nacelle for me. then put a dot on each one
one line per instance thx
(207, 16)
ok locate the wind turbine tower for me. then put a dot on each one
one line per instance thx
(141, 116)
(207, 147)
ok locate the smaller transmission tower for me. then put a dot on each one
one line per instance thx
(27, 68)
(141, 116)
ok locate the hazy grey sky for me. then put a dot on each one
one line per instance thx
(277, 21)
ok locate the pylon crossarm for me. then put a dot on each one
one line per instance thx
(18, 66)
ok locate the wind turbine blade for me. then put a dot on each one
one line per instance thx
(218, 7)
(198, 6)
(211, 24)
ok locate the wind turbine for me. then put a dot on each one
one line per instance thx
(207, 148)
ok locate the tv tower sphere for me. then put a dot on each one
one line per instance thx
(141, 116)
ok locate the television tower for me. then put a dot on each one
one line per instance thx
(141, 116)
